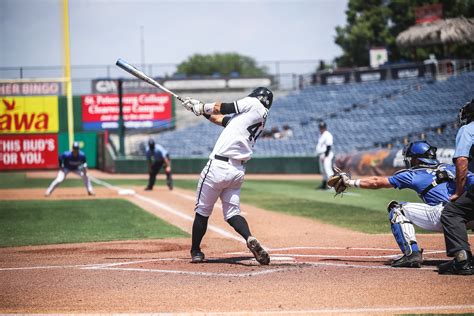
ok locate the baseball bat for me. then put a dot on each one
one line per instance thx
(141, 75)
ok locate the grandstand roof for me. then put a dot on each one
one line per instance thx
(455, 30)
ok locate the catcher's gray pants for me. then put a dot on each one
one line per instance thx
(454, 219)
(62, 175)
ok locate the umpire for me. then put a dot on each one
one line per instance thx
(156, 156)
(461, 208)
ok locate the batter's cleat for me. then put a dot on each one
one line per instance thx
(170, 186)
(460, 265)
(260, 254)
(148, 189)
(412, 261)
(197, 256)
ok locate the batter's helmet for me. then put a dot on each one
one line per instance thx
(466, 113)
(264, 95)
(422, 151)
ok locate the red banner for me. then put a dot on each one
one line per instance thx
(136, 107)
(28, 151)
(429, 13)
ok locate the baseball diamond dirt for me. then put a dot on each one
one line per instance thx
(316, 268)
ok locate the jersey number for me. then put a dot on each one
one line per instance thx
(253, 130)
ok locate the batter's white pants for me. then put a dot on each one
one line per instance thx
(220, 179)
(62, 175)
(325, 165)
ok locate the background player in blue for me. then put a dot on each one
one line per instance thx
(434, 183)
(71, 161)
(156, 156)
(461, 209)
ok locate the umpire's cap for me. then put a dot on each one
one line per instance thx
(75, 145)
(466, 113)
(151, 143)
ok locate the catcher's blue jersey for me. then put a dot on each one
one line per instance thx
(68, 161)
(418, 179)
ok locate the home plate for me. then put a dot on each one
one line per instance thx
(126, 192)
(282, 258)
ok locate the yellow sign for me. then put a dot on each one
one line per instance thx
(29, 115)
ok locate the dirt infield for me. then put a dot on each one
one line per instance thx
(315, 269)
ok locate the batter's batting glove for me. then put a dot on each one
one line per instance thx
(196, 106)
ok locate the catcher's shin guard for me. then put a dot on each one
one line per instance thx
(402, 229)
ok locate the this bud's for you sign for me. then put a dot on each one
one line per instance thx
(28, 151)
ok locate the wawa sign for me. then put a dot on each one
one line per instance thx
(29, 115)
(28, 151)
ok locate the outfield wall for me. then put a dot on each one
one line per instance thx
(265, 165)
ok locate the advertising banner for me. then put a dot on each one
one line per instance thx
(412, 71)
(30, 88)
(370, 75)
(336, 78)
(128, 85)
(145, 110)
(29, 115)
(28, 151)
(382, 162)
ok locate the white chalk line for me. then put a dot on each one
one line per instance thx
(361, 266)
(171, 210)
(196, 273)
(380, 309)
(88, 265)
(345, 248)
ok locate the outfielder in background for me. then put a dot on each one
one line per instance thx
(156, 156)
(434, 183)
(325, 154)
(71, 161)
(461, 209)
(222, 177)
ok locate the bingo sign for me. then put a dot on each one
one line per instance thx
(140, 110)
(28, 151)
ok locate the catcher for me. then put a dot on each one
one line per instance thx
(434, 183)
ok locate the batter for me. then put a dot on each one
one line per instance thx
(223, 175)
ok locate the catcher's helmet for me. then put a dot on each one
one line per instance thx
(466, 113)
(264, 95)
(422, 151)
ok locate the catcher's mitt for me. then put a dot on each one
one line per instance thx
(338, 181)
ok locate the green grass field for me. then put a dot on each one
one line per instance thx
(360, 210)
(68, 221)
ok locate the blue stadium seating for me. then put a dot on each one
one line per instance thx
(360, 116)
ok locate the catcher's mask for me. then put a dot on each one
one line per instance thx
(466, 113)
(264, 95)
(422, 151)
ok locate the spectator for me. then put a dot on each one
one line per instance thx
(287, 132)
